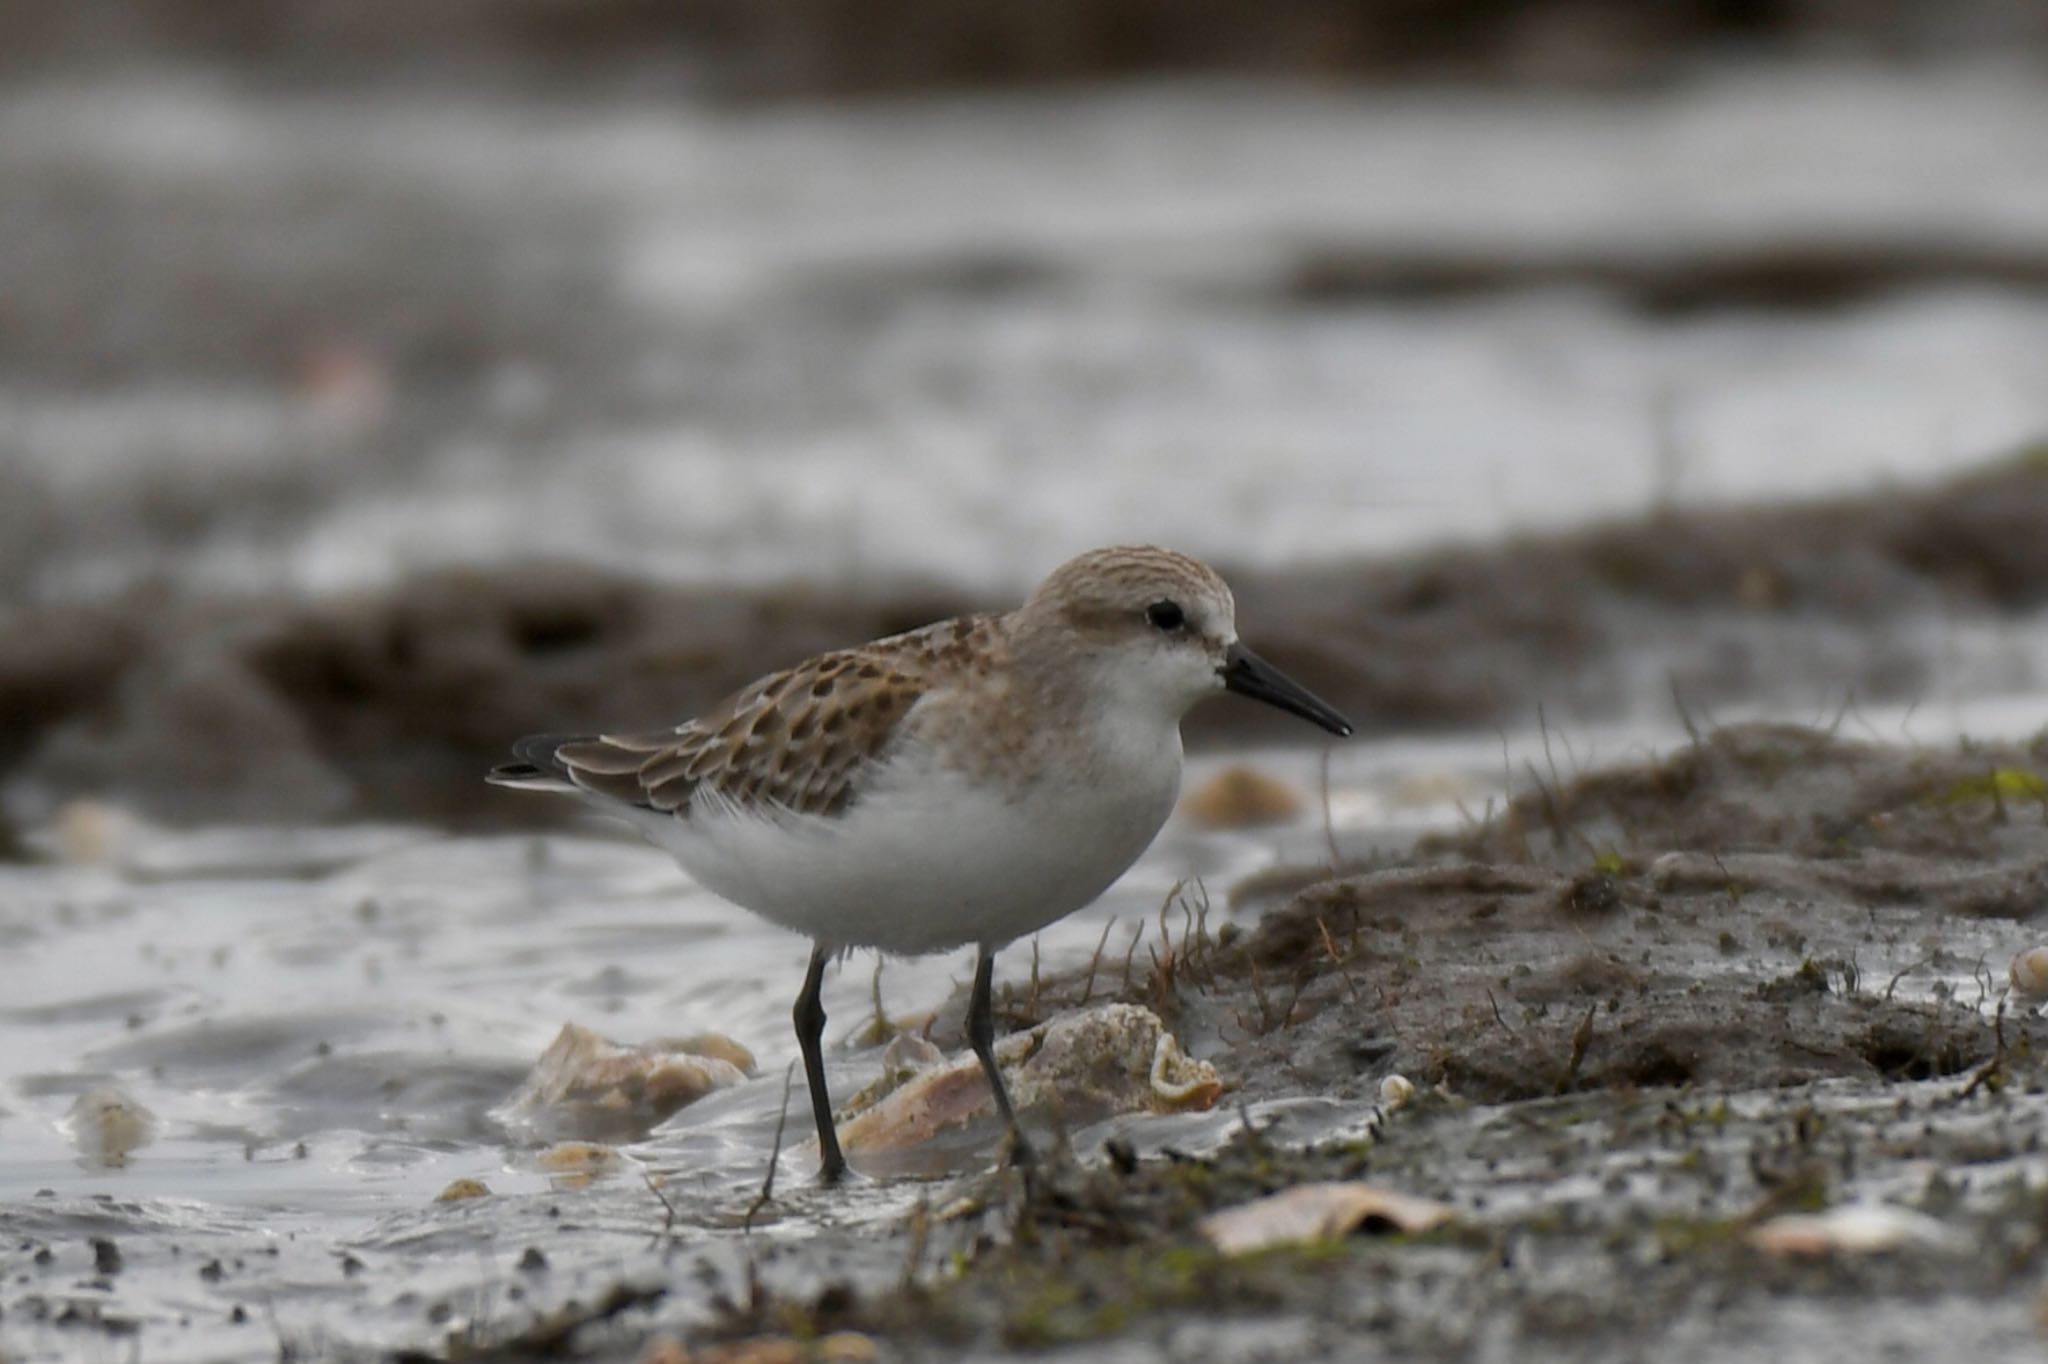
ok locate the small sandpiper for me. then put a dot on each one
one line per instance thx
(966, 783)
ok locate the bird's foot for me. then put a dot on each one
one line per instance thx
(1019, 1150)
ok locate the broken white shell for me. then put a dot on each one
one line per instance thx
(586, 1086)
(1854, 1228)
(1396, 1090)
(1319, 1212)
(1115, 1058)
(1179, 1081)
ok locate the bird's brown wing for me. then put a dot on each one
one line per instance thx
(795, 740)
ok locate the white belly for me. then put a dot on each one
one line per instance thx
(930, 860)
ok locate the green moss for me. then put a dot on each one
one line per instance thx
(1692, 1235)
(1714, 1115)
(1999, 784)
(1809, 1195)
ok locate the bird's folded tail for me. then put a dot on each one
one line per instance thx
(536, 768)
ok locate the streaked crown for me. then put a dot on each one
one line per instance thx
(1131, 592)
(1115, 586)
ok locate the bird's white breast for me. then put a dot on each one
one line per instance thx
(933, 856)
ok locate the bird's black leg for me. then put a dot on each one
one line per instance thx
(809, 1017)
(981, 1035)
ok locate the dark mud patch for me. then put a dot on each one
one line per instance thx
(1880, 815)
(1731, 604)
(1768, 907)
(1583, 1231)
(1629, 1060)
(1765, 273)
(1502, 986)
(391, 702)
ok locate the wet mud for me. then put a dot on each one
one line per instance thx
(1708, 1054)
(1711, 1055)
(389, 703)
(1648, 1010)
(1770, 906)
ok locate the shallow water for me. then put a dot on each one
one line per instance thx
(326, 1041)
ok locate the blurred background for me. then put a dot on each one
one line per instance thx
(381, 381)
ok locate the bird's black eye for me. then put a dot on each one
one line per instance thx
(1166, 615)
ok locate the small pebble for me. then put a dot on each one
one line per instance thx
(461, 1189)
(578, 1158)
(106, 1256)
(846, 1347)
(107, 1126)
(1243, 798)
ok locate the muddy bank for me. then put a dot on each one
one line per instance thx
(1767, 272)
(1770, 907)
(1710, 1056)
(391, 703)
(1717, 1052)
(1758, 603)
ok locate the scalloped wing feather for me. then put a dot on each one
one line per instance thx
(797, 740)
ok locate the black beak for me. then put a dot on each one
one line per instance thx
(1245, 673)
